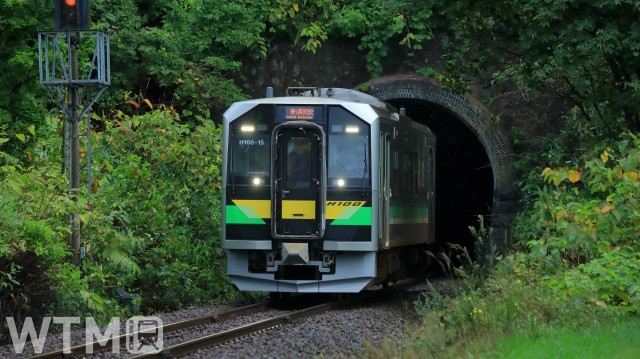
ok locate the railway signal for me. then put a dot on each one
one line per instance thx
(71, 15)
(59, 65)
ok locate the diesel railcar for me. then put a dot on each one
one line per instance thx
(328, 190)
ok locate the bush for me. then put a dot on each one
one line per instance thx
(36, 278)
(584, 224)
(150, 224)
(160, 181)
(513, 301)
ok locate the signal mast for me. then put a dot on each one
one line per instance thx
(58, 66)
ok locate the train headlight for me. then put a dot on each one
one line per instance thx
(247, 128)
(257, 181)
(351, 129)
(340, 182)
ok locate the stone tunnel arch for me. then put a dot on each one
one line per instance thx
(495, 141)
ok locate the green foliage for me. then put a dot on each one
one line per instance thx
(36, 278)
(398, 22)
(513, 303)
(449, 80)
(19, 93)
(584, 224)
(187, 55)
(184, 55)
(586, 51)
(474, 322)
(576, 272)
(611, 279)
(150, 224)
(313, 22)
(165, 193)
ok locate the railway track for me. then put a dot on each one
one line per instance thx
(227, 335)
(220, 337)
(241, 331)
(80, 350)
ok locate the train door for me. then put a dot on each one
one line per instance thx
(299, 189)
(385, 188)
(431, 175)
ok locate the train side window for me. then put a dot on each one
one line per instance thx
(416, 169)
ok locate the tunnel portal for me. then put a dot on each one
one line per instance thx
(464, 177)
(473, 170)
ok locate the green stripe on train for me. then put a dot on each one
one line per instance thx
(242, 215)
(357, 216)
(410, 211)
(360, 216)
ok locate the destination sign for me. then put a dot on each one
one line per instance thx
(299, 113)
(302, 112)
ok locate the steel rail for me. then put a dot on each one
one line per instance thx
(227, 335)
(224, 336)
(80, 350)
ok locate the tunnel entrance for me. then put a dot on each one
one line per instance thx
(474, 155)
(464, 175)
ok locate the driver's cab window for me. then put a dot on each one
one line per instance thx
(348, 158)
(298, 162)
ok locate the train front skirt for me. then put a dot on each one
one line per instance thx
(353, 272)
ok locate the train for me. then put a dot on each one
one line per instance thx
(325, 190)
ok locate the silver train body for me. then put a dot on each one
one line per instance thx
(328, 191)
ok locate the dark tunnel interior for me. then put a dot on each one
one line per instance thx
(464, 177)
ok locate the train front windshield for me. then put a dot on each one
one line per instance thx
(250, 149)
(347, 159)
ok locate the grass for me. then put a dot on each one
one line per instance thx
(513, 314)
(514, 311)
(620, 339)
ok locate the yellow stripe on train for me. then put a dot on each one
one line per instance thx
(254, 208)
(292, 209)
(335, 209)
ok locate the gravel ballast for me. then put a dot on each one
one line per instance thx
(336, 334)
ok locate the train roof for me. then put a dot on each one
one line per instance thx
(339, 94)
(317, 95)
(329, 96)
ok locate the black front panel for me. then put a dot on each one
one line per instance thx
(261, 204)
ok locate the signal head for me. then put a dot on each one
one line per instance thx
(71, 15)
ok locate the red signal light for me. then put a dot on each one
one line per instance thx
(71, 15)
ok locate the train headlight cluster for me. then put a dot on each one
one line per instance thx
(257, 181)
(348, 129)
(340, 182)
(247, 128)
(351, 129)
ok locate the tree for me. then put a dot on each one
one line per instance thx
(20, 92)
(586, 51)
